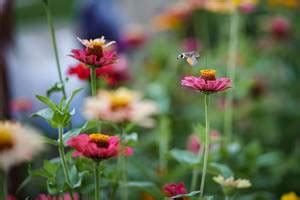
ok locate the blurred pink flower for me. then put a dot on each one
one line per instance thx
(21, 105)
(247, 7)
(134, 37)
(207, 82)
(11, 197)
(66, 196)
(173, 189)
(194, 145)
(97, 146)
(280, 27)
(191, 44)
(121, 105)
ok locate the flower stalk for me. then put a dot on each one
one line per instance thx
(231, 71)
(4, 188)
(124, 191)
(54, 44)
(206, 146)
(97, 180)
(93, 81)
(63, 160)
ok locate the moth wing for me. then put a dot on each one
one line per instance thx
(192, 60)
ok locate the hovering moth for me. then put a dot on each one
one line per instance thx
(191, 57)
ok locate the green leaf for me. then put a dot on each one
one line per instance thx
(48, 102)
(50, 167)
(70, 98)
(140, 184)
(57, 87)
(185, 157)
(191, 194)
(45, 113)
(131, 139)
(217, 168)
(50, 141)
(24, 183)
(74, 132)
(200, 130)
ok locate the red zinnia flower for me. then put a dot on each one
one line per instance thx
(207, 82)
(112, 74)
(97, 146)
(173, 189)
(94, 54)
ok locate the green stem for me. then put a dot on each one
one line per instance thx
(231, 71)
(196, 170)
(54, 44)
(163, 141)
(206, 146)
(93, 81)
(97, 180)
(4, 192)
(63, 160)
(124, 191)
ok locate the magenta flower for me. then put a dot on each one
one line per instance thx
(95, 54)
(97, 146)
(173, 189)
(66, 196)
(207, 82)
(83, 55)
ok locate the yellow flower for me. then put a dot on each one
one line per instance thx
(17, 144)
(289, 196)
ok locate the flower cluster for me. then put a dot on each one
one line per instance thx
(121, 105)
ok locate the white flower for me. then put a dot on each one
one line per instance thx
(17, 144)
(230, 182)
(121, 105)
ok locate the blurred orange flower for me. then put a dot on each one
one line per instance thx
(286, 3)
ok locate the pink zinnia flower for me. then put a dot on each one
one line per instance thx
(95, 53)
(173, 189)
(66, 196)
(207, 82)
(97, 146)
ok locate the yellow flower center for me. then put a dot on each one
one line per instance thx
(289, 196)
(100, 139)
(6, 139)
(208, 74)
(120, 99)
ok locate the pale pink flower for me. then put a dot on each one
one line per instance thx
(121, 105)
(18, 144)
